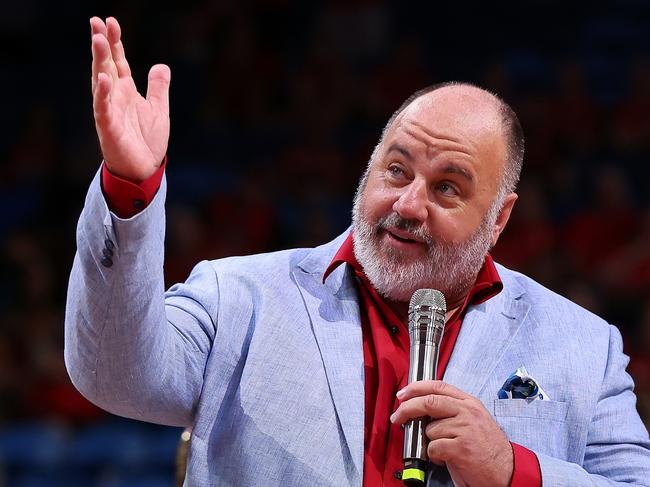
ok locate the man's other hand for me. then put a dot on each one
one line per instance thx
(462, 433)
(133, 130)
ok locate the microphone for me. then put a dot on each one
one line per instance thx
(426, 324)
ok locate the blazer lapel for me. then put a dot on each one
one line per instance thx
(486, 333)
(334, 312)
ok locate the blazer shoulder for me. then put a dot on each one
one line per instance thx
(269, 267)
(281, 263)
(548, 306)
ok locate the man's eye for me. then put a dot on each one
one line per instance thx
(447, 189)
(395, 170)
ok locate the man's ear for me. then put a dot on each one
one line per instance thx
(504, 216)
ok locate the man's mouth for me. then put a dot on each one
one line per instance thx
(402, 236)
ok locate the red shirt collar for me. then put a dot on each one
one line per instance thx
(488, 282)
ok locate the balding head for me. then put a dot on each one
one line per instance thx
(438, 191)
(469, 104)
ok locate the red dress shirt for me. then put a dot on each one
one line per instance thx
(386, 359)
(385, 346)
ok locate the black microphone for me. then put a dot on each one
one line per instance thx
(426, 324)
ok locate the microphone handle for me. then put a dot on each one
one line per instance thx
(423, 366)
(424, 355)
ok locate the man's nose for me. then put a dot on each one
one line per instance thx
(413, 203)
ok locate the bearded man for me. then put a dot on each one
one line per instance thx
(291, 367)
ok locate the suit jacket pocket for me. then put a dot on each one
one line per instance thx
(537, 425)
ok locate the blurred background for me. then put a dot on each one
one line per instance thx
(276, 105)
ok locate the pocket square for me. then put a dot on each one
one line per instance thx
(520, 385)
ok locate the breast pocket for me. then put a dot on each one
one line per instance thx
(538, 425)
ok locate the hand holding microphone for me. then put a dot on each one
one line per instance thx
(426, 325)
(443, 424)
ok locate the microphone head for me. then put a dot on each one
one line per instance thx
(428, 297)
(426, 312)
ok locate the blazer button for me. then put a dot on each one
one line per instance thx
(106, 262)
(138, 204)
(107, 252)
(109, 244)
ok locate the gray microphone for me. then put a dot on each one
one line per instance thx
(426, 324)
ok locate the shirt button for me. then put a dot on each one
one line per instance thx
(397, 474)
(109, 244)
(394, 330)
(138, 204)
(107, 252)
(106, 262)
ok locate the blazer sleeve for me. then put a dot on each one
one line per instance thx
(131, 348)
(617, 450)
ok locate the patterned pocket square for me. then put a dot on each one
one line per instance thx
(520, 385)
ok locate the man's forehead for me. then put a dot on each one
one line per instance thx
(465, 110)
(454, 119)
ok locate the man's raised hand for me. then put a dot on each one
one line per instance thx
(133, 131)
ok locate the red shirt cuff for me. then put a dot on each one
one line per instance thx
(127, 199)
(526, 471)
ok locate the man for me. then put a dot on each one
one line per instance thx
(291, 366)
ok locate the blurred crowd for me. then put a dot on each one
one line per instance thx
(276, 107)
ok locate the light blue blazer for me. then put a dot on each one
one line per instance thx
(265, 361)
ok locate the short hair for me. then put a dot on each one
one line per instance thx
(513, 133)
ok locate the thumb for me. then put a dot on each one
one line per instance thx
(158, 86)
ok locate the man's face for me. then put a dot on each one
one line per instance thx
(429, 213)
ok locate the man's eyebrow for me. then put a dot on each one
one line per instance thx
(401, 149)
(451, 168)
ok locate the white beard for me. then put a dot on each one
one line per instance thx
(447, 267)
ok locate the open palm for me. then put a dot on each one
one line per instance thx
(133, 130)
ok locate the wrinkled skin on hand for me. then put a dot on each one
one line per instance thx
(462, 433)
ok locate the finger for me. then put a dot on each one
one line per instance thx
(424, 387)
(96, 27)
(102, 100)
(441, 451)
(102, 60)
(441, 428)
(98, 58)
(432, 405)
(158, 87)
(102, 57)
(114, 35)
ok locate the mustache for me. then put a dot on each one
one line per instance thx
(413, 227)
